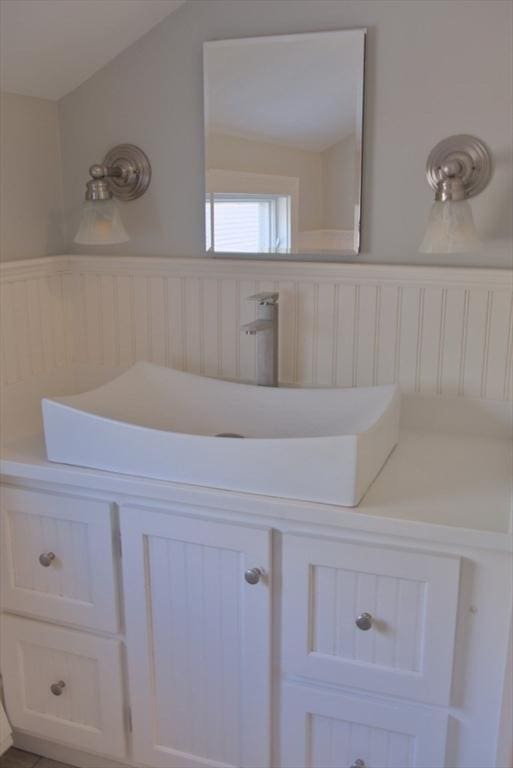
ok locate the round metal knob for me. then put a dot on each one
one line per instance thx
(253, 575)
(57, 688)
(359, 763)
(46, 559)
(364, 621)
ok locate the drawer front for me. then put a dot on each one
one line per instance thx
(328, 730)
(57, 558)
(403, 647)
(62, 684)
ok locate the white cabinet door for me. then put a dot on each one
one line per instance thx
(64, 685)
(57, 558)
(322, 729)
(198, 638)
(411, 596)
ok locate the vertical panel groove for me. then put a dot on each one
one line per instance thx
(48, 341)
(397, 346)
(463, 342)
(486, 342)
(237, 327)
(419, 345)
(17, 346)
(375, 359)
(315, 342)
(355, 333)
(509, 354)
(132, 318)
(201, 321)
(219, 328)
(149, 320)
(101, 355)
(167, 323)
(334, 351)
(30, 339)
(116, 329)
(441, 343)
(296, 331)
(185, 355)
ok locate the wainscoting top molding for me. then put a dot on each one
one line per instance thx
(284, 270)
(27, 268)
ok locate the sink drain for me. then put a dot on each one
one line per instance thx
(228, 434)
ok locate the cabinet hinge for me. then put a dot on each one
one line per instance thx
(129, 718)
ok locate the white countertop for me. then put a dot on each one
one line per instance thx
(443, 487)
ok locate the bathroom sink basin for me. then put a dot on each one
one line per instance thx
(324, 445)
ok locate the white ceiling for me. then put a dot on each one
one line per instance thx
(49, 47)
(297, 90)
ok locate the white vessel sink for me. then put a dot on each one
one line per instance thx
(324, 445)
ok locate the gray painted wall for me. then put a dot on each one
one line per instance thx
(31, 221)
(434, 68)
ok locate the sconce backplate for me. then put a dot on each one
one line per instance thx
(135, 171)
(474, 159)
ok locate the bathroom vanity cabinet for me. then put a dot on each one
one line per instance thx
(157, 624)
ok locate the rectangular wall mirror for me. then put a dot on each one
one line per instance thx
(283, 145)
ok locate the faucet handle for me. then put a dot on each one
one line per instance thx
(256, 326)
(266, 298)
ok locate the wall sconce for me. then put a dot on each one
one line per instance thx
(457, 168)
(124, 174)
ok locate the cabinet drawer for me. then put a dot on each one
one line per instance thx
(411, 598)
(64, 685)
(57, 558)
(328, 730)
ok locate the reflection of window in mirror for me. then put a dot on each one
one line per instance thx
(283, 135)
(251, 212)
(243, 223)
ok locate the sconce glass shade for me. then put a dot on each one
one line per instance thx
(101, 224)
(450, 229)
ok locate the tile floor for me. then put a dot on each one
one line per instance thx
(15, 758)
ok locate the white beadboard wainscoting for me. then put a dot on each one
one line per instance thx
(70, 322)
(36, 346)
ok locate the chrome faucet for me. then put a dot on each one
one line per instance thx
(265, 328)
